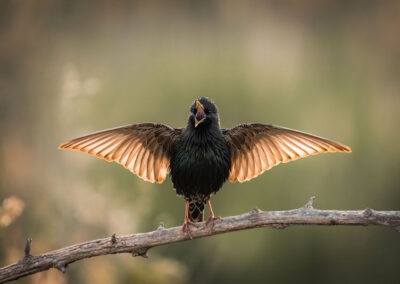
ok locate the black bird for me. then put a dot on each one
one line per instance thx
(201, 156)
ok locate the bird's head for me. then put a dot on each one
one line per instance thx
(203, 113)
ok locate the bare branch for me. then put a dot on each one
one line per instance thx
(139, 244)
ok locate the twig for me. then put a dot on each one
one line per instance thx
(139, 244)
(27, 249)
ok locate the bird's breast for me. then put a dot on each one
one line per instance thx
(199, 167)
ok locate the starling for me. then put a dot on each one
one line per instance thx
(202, 156)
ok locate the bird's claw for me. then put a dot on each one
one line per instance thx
(186, 228)
(211, 220)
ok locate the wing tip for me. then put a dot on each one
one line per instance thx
(64, 146)
(343, 148)
(347, 149)
(68, 145)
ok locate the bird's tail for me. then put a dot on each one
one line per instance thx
(196, 210)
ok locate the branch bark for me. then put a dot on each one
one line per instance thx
(139, 244)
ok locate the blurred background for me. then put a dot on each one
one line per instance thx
(327, 67)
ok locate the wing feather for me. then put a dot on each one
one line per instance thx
(144, 149)
(138, 160)
(150, 168)
(143, 163)
(272, 159)
(262, 156)
(256, 157)
(130, 155)
(304, 145)
(256, 148)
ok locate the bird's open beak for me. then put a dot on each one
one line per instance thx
(200, 115)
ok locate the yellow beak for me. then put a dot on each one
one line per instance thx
(200, 115)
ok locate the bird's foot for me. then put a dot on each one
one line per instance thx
(186, 227)
(211, 220)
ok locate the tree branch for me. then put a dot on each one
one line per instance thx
(139, 244)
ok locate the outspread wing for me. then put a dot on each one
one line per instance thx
(144, 149)
(256, 148)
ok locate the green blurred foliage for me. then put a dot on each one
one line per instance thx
(327, 67)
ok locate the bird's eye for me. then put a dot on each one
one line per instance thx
(193, 110)
(206, 111)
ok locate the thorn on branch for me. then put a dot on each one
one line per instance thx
(309, 204)
(368, 212)
(61, 267)
(161, 227)
(113, 239)
(255, 214)
(27, 249)
(140, 252)
(255, 210)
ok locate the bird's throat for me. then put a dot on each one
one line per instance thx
(197, 122)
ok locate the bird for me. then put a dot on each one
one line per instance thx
(202, 156)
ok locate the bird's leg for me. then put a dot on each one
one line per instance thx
(187, 222)
(212, 217)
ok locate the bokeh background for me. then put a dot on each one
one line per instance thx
(327, 67)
